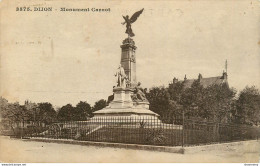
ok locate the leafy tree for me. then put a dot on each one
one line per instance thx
(174, 113)
(176, 90)
(191, 99)
(4, 123)
(99, 105)
(32, 111)
(70, 113)
(248, 106)
(159, 100)
(217, 103)
(45, 113)
(83, 110)
(212, 103)
(14, 113)
(66, 113)
(3, 107)
(23, 114)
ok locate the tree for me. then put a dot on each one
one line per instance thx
(217, 103)
(159, 100)
(248, 106)
(45, 113)
(66, 113)
(174, 113)
(99, 105)
(191, 98)
(31, 108)
(3, 107)
(14, 113)
(4, 123)
(83, 110)
(70, 113)
(176, 90)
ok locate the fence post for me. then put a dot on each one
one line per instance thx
(22, 133)
(219, 137)
(182, 128)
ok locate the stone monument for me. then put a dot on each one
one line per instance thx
(128, 98)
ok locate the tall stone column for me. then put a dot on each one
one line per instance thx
(128, 60)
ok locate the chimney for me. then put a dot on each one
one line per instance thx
(185, 78)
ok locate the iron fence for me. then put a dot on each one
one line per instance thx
(146, 131)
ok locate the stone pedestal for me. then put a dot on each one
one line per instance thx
(123, 106)
(122, 98)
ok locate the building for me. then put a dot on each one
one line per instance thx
(205, 82)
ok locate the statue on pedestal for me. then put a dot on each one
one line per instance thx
(121, 77)
(128, 100)
(128, 22)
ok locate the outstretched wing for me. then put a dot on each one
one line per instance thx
(136, 15)
(124, 18)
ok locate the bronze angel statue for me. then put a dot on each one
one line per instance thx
(128, 22)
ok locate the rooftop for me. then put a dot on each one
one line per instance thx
(205, 82)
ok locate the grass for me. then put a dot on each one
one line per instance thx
(144, 136)
(168, 137)
(156, 135)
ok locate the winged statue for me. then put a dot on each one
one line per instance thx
(130, 21)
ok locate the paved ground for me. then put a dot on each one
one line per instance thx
(19, 151)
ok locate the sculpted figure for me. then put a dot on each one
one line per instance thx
(121, 77)
(138, 94)
(128, 22)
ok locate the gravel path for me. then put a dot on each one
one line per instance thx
(19, 151)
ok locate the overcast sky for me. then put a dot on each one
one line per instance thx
(67, 57)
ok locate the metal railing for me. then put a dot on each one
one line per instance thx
(147, 131)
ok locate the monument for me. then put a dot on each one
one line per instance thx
(128, 98)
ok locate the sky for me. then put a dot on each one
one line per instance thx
(67, 57)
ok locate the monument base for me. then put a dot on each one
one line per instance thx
(123, 107)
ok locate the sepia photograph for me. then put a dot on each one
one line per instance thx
(130, 81)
